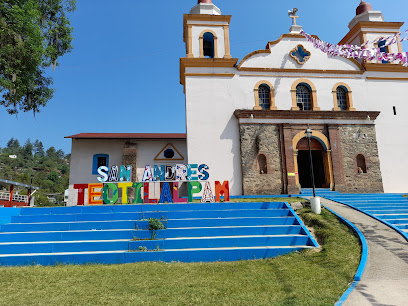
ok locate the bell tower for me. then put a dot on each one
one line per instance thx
(369, 25)
(206, 32)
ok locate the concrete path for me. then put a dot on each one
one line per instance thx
(385, 278)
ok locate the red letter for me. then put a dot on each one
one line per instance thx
(221, 190)
(81, 192)
(146, 199)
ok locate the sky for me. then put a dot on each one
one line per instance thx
(123, 74)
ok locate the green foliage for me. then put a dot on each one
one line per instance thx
(41, 200)
(142, 249)
(38, 148)
(13, 145)
(154, 226)
(54, 177)
(33, 35)
(51, 173)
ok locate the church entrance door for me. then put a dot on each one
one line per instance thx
(319, 165)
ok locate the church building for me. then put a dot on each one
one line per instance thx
(246, 118)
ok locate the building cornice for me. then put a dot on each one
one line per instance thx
(301, 70)
(306, 115)
(209, 18)
(274, 42)
(204, 62)
(370, 24)
(150, 136)
(268, 51)
(381, 67)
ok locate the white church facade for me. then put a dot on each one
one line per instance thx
(246, 118)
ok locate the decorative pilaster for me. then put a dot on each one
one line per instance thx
(336, 157)
(290, 155)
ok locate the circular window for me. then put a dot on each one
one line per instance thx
(169, 153)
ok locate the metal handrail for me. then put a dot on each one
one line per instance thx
(16, 197)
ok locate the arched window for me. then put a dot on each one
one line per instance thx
(303, 97)
(264, 93)
(342, 98)
(361, 164)
(264, 96)
(208, 45)
(263, 169)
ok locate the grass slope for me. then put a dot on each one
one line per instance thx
(305, 278)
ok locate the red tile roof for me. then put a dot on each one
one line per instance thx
(129, 136)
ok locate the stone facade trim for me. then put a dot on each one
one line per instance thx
(306, 115)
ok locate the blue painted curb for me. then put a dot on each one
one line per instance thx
(363, 261)
(315, 244)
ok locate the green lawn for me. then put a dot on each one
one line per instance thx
(306, 278)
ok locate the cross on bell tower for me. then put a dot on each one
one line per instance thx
(294, 29)
(292, 14)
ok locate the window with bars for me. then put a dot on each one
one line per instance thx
(383, 48)
(303, 97)
(99, 160)
(342, 98)
(264, 97)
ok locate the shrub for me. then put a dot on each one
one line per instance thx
(142, 249)
(154, 226)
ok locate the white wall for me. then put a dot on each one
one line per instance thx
(148, 149)
(280, 58)
(212, 129)
(391, 130)
(82, 154)
(213, 132)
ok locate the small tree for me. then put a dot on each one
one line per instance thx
(154, 226)
(39, 148)
(34, 35)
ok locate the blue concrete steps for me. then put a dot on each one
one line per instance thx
(145, 215)
(150, 208)
(68, 226)
(113, 233)
(391, 209)
(321, 192)
(120, 257)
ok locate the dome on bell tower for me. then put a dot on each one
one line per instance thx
(365, 12)
(363, 7)
(205, 7)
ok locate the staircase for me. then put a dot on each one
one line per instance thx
(320, 192)
(115, 234)
(391, 209)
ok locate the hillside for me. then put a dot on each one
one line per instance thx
(50, 169)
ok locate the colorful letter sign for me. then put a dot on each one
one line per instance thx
(116, 181)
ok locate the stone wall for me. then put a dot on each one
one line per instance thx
(259, 139)
(355, 140)
(129, 157)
